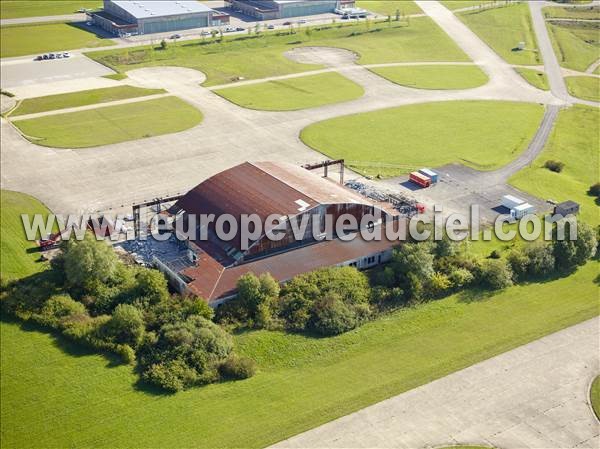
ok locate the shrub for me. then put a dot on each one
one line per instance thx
(173, 375)
(126, 353)
(460, 277)
(59, 308)
(185, 353)
(496, 274)
(438, 284)
(236, 367)
(331, 316)
(495, 254)
(151, 285)
(555, 166)
(540, 259)
(257, 295)
(126, 326)
(594, 190)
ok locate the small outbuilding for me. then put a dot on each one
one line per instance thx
(566, 208)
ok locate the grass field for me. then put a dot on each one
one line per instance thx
(575, 142)
(19, 40)
(389, 8)
(254, 57)
(18, 258)
(111, 124)
(593, 12)
(14, 9)
(534, 77)
(586, 87)
(83, 98)
(459, 4)
(434, 76)
(295, 93)
(576, 46)
(595, 396)
(482, 134)
(55, 395)
(503, 28)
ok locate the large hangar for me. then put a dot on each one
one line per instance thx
(212, 267)
(123, 17)
(280, 9)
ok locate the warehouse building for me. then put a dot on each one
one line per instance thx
(281, 9)
(210, 268)
(133, 17)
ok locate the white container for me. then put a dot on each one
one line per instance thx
(510, 202)
(521, 210)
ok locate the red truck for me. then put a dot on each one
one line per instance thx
(420, 179)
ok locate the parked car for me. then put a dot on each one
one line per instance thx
(66, 54)
(287, 23)
(229, 29)
(38, 58)
(51, 56)
(204, 33)
(176, 36)
(239, 29)
(59, 55)
(302, 21)
(45, 57)
(271, 27)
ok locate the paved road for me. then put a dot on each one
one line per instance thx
(535, 396)
(79, 17)
(551, 65)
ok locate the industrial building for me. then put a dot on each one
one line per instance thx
(211, 267)
(131, 17)
(281, 9)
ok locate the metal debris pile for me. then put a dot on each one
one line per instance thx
(402, 203)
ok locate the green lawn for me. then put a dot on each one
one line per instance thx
(13, 9)
(595, 396)
(593, 12)
(576, 46)
(56, 395)
(111, 124)
(254, 57)
(459, 4)
(575, 142)
(19, 40)
(389, 8)
(586, 87)
(482, 134)
(18, 257)
(295, 93)
(503, 28)
(83, 98)
(534, 77)
(434, 76)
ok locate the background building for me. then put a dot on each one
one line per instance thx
(280, 9)
(210, 268)
(122, 17)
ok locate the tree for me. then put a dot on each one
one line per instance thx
(397, 15)
(496, 274)
(126, 326)
(540, 259)
(257, 295)
(439, 283)
(151, 286)
(571, 253)
(89, 262)
(163, 44)
(594, 190)
(445, 247)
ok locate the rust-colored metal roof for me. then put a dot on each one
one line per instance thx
(213, 284)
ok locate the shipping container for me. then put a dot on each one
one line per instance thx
(521, 210)
(420, 179)
(430, 174)
(510, 202)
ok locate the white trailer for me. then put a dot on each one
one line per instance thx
(521, 210)
(510, 202)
